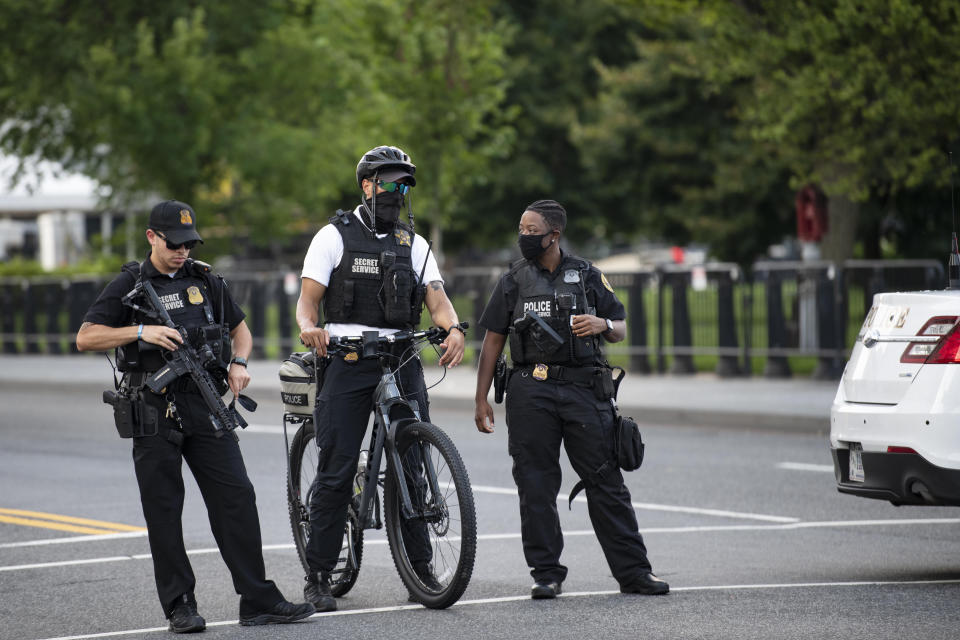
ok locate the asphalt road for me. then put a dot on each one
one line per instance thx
(746, 526)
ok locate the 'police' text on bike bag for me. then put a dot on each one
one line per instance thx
(298, 383)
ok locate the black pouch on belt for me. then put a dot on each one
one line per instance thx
(603, 386)
(149, 418)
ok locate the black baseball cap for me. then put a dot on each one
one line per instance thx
(176, 220)
(395, 174)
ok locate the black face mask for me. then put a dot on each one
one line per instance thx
(387, 210)
(531, 246)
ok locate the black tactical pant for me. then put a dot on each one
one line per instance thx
(217, 465)
(541, 415)
(344, 407)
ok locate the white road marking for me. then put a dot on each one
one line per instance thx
(790, 526)
(804, 466)
(656, 507)
(577, 594)
(271, 429)
(507, 491)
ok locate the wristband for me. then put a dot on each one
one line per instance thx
(139, 332)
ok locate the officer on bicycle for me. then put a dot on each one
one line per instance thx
(371, 271)
(175, 426)
(555, 307)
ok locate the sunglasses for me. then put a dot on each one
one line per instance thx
(390, 187)
(189, 244)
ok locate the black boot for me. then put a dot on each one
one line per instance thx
(317, 592)
(545, 590)
(647, 585)
(184, 617)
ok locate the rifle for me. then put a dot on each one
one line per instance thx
(542, 334)
(187, 360)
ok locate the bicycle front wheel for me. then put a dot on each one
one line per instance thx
(303, 469)
(434, 549)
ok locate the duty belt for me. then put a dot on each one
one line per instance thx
(582, 375)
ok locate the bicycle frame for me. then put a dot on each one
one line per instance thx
(391, 412)
(420, 458)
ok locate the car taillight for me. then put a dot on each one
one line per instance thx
(892, 449)
(943, 351)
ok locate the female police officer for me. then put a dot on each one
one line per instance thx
(181, 428)
(555, 306)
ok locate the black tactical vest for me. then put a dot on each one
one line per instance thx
(374, 284)
(555, 298)
(189, 301)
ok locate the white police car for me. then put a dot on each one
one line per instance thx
(895, 422)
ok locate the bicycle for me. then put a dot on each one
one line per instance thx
(425, 482)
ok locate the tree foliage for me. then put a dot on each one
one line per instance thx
(677, 120)
(257, 111)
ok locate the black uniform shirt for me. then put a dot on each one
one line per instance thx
(109, 310)
(498, 314)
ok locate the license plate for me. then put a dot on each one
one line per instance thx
(856, 462)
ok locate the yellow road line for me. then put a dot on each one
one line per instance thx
(36, 517)
(28, 522)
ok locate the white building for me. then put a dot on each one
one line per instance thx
(49, 215)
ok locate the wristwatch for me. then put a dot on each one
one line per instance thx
(240, 361)
(458, 327)
(609, 325)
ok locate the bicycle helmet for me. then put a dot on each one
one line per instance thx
(390, 162)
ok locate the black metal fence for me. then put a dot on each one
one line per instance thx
(680, 318)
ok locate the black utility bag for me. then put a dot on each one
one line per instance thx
(629, 443)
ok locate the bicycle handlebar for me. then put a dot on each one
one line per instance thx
(435, 335)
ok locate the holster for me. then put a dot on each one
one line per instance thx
(603, 386)
(132, 416)
(500, 376)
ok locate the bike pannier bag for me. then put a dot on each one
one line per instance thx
(298, 383)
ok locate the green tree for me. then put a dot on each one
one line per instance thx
(254, 111)
(860, 96)
(670, 152)
(552, 77)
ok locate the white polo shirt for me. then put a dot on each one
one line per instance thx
(326, 252)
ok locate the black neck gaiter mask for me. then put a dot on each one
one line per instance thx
(531, 246)
(387, 211)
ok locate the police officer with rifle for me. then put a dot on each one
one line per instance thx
(555, 308)
(181, 342)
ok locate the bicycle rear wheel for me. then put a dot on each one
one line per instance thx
(433, 551)
(303, 469)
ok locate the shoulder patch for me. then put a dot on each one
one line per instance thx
(402, 236)
(605, 282)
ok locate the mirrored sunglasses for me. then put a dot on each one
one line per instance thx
(390, 187)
